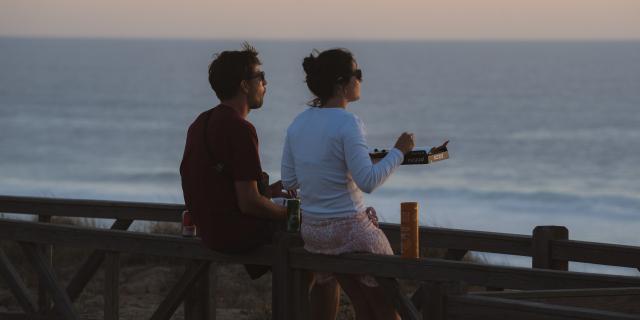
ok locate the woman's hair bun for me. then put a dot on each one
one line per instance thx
(309, 64)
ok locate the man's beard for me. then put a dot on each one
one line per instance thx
(256, 103)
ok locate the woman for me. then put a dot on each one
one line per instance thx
(326, 157)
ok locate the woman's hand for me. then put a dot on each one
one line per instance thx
(441, 148)
(405, 142)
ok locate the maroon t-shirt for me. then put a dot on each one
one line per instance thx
(209, 193)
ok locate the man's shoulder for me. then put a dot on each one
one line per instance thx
(230, 119)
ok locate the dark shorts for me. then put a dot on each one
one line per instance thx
(240, 234)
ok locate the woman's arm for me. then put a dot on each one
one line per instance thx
(366, 175)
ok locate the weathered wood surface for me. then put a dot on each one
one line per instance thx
(435, 297)
(431, 237)
(391, 266)
(443, 270)
(44, 301)
(168, 306)
(43, 269)
(598, 253)
(16, 285)
(549, 251)
(111, 286)
(541, 254)
(91, 265)
(125, 241)
(283, 280)
(626, 300)
(514, 244)
(92, 208)
(196, 302)
(404, 306)
(488, 308)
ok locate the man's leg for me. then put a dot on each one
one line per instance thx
(324, 300)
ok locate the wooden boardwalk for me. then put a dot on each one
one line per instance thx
(544, 291)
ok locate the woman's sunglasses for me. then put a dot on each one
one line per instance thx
(358, 74)
(355, 73)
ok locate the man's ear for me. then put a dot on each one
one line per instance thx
(244, 87)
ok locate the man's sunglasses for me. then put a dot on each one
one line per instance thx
(260, 75)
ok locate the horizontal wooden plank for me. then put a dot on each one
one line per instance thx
(125, 241)
(597, 253)
(92, 208)
(588, 292)
(430, 236)
(625, 300)
(444, 270)
(22, 316)
(494, 242)
(478, 307)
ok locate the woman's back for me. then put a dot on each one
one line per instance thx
(327, 157)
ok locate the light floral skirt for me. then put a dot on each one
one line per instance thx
(334, 236)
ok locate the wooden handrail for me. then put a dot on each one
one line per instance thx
(598, 253)
(124, 241)
(92, 208)
(482, 241)
(494, 242)
(430, 237)
(376, 265)
(426, 269)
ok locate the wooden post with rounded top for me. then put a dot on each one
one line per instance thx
(409, 230)
(542, 257)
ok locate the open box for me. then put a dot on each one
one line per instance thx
(416, 156)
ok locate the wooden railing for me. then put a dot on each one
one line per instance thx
(441, 295)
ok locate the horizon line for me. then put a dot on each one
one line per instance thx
(276, 39)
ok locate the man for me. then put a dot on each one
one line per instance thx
(220, 168)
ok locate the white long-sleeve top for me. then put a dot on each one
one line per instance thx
(326, 156)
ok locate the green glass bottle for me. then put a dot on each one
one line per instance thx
(293, 215)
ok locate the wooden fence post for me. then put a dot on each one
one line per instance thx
(542, 250)
(196, 303)
(44, 300)
(111, 286)
(434, 306)
(300, 297)
(282, 281)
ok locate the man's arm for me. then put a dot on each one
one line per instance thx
(252, 203)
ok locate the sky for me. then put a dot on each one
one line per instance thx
(326, 19)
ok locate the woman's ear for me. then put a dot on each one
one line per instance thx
(340, 91)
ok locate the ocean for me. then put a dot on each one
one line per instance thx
(542, 133)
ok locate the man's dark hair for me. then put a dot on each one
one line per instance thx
(325, 70)
(229, 68)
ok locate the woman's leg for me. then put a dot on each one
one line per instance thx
(324, 300)
(353, 288)
(380, 306)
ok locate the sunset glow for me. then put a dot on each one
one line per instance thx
(328, 19)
